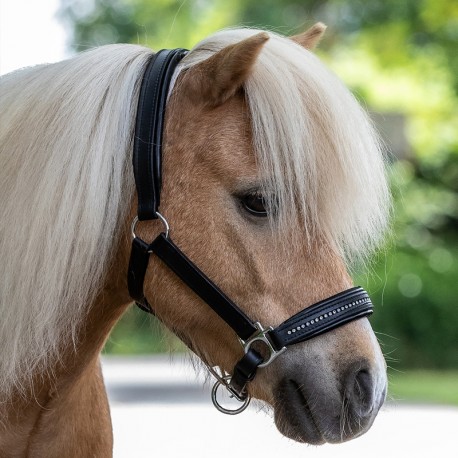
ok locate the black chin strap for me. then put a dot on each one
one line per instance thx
(313, 321)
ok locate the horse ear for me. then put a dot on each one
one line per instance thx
(311, 37)
(218, 78)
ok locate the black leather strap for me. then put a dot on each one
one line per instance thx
(190, 274)
(138, 262)
(148, 130)
(245, 371)
(147, 158)
(322, 317)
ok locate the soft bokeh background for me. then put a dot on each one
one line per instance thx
(30, 33)
(400, 59)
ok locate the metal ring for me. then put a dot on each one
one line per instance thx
(223, 409)
(162, 219)
(132, 227)
(262, 337)
(165, 223)
(272, 352)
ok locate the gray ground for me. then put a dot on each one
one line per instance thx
(159, 409)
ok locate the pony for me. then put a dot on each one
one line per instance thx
(274, 182)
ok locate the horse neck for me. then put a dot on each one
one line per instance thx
(72, 388)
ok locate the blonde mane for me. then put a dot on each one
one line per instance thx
(65, 186)
(316, 148)
(66, 182)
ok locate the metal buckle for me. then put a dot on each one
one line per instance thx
(135, 221)
(225, 380)
(261, 336)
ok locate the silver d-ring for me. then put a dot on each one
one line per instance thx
(223, 409)
(133, 226)
(163, 221)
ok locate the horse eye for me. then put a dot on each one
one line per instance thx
(254, 204)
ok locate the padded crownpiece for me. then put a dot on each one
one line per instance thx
(148, 130)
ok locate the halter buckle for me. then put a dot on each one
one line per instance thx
(262, 336)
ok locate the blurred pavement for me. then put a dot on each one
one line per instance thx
(160, 408)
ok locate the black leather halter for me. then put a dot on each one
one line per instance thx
(314, 320)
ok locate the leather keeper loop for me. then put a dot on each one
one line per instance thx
(245, 371)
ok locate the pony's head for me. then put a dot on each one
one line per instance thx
(272, 182)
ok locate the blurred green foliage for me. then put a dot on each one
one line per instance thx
(438, 387)
(414, 281)
(398, 57)
(137, 333)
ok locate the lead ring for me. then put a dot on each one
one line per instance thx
(223, 409)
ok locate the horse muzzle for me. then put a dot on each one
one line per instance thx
(318, 405)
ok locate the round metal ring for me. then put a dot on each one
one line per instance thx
(165, 223)
(133, 226)
(160, 217)
(223, 409)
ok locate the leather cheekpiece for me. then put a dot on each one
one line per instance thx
(149, 128)
(192, 276)
(146, 158)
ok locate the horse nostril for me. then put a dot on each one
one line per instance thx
(364, 386)
(360, 392)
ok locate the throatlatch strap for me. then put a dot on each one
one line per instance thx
(148, 130)
(138, 262)
(190, 274)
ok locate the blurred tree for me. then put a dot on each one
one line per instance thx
(397, 57)
(159, 23)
